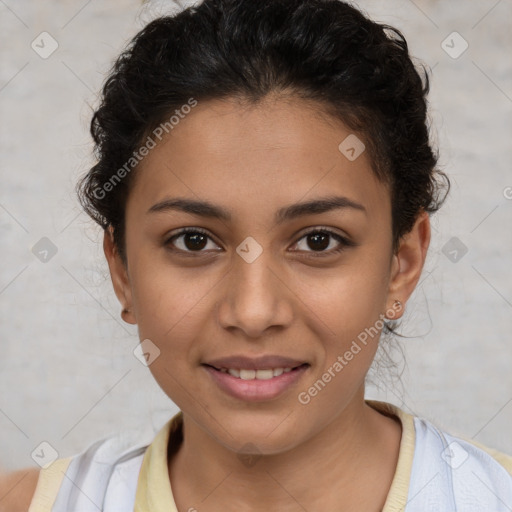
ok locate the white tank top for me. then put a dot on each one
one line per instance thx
(103, 477)
(447, 474)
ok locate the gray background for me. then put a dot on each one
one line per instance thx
(68, 374)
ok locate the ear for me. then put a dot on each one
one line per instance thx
(119, 276)
(408, 262)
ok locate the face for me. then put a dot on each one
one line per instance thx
(267, 279)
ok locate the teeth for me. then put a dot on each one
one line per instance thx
(247, 374)
(255, 374)
(264, 374)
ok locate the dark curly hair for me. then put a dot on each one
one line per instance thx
(357, 70)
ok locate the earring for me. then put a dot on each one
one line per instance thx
(391, 313)
(124, 311)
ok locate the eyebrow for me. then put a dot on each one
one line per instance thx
(290, 212)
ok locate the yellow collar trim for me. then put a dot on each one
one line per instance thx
(154, 488)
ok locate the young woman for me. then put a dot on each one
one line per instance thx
(265, 181)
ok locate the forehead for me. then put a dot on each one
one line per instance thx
(277, 152)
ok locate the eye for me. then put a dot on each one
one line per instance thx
(190, 240)
(320, 239)
(194, 240)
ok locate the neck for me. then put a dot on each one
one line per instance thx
(351, 461)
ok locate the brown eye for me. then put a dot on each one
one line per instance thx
(319, 240)
(189, 240)
(194, 241)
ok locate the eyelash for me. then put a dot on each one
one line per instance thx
(344, 242)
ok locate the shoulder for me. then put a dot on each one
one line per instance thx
(457, 449)
(17, 489)
(503, 459)
(438, 470)
(459, 469)
(106, 470)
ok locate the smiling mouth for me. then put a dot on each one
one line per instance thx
(262, 374)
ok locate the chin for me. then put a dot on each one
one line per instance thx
(258, 434)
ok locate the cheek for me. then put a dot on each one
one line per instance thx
(172, 311)
(343, 301)
(346, 317)
(345, 310)
(173, 305)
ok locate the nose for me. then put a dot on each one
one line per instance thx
(255, 298)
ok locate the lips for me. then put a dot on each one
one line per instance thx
(249, 386)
